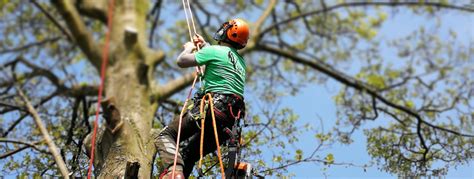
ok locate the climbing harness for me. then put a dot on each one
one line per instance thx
(105, 56)
(208, 100)
(234, 168)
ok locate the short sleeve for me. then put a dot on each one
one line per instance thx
(204, 55)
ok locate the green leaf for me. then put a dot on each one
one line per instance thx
(299, 154)
(277, 158)
(410, 104)
(376, 81)
(329, 159)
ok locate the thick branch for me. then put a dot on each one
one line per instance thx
(165, 91)
(96, 9)
(52, 147)
(42, 72)
(258, 25)
(264, 16)
(81, 90)
(155, 58)
(79, 31)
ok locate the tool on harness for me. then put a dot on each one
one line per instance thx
(233, 145)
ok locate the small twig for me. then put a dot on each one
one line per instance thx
(25, 115)
(156, 11)
(26, 145)
(27, 46)
(70, 132)
(11, 106)
(52, 19)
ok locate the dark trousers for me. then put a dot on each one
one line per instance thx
(190, 130)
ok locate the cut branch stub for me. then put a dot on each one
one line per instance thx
(111, 115)
(131, 170)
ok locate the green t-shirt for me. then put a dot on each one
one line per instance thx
(225, 69)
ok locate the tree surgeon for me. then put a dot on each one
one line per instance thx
(223, 78)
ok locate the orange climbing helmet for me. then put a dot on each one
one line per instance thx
(235, 31)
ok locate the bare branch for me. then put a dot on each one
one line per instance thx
(10, 106)
(74, 116)
(156, 10)
(422, 139)
(351, 82)
(52, 19)
(52, 147)
(207, 13)
(309, 158)
(42, 101)
(42, 72)
(27, 46)
(362, 4)
(26, 146)
(74, 91)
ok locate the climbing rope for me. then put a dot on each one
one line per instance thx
(203, 117)
(198, 71)
(105, 56)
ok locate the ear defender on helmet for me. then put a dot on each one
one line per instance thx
(235, 32)
(220, 34)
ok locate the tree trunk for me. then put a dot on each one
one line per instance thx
(127, 81)
(133, 142)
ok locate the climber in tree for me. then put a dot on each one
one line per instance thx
(224, 79)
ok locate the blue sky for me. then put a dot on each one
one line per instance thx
(322, 104)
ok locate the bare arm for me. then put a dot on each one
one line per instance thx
(186, 58)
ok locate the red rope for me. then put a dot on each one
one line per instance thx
(105, 56)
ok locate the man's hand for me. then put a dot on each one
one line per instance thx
(199, 41)
(189, 46)
(186, 58)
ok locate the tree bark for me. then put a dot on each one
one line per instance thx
(126, 136)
